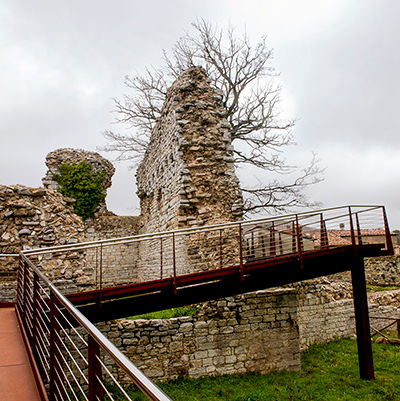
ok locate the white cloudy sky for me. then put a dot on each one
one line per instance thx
(61, 63)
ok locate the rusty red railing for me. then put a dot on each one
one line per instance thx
(234, 243)
(74, 359)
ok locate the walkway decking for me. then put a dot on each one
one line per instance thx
(17, 382)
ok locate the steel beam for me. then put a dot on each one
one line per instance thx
(360, 299)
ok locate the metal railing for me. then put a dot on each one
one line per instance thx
(393, 321)
(172, 253)
(75, 360)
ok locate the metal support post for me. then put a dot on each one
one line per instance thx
(360, 299)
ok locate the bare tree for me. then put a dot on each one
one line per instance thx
(251, 98)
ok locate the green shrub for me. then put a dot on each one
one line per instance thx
(79, 182)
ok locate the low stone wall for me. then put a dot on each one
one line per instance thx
(321, 320)
(255, 332)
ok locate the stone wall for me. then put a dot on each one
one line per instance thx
(383, 271)
(36, 218)
(324, 316)
(73, 156)
(119, 263)
(255, 332)
(258, 332)
(187, 176)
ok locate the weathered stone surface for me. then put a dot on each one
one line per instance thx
(188, 165)
(72, 156)
(119, 262)
(217, 340)
(187, 177)
(30, 221)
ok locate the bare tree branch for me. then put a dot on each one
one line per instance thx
(246, 80)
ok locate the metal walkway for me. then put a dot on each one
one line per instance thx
(17, 381)
(74, 359)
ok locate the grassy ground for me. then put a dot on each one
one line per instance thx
(377, 288)
(329, 373)
(168, 313)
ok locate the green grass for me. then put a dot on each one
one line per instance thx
(330, 373)
(377, 288)
(167, 313)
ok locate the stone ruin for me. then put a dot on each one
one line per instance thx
(97, 163)
(186, 179)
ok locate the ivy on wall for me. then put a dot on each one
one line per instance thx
(79, 182)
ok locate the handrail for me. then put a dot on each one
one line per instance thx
(183, 231)
(141, 381)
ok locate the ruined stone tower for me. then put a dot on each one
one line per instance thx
(187, 176)
(97, 163)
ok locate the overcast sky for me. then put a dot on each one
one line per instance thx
(61, 63)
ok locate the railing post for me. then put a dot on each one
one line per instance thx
(323, 234)
(241, 252)
(272, 244)
(97, 268)
(299, 243)
(95, 392)
(293, 237)
(174, 261)
(35, 311)
(52, 350)
(25, 289)
(359, 237)
(353, 238)
(252, 252)
(389, 243)
(280, 243)
(20, 284)
(161, 258)
(101, 277)
(398, 328)
(220, 249)
(262, 240)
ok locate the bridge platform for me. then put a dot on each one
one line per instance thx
(17, 381)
